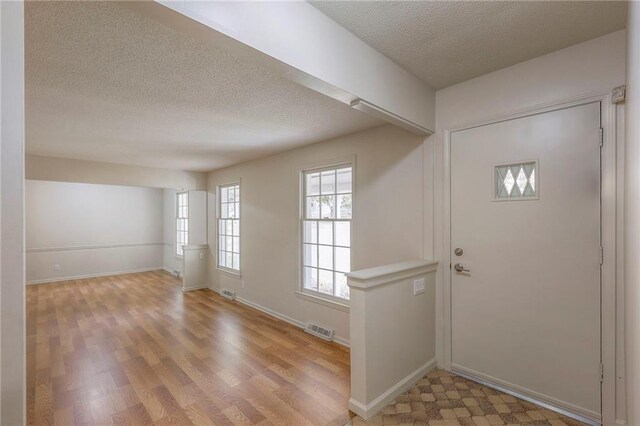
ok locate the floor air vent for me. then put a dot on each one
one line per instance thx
(318, 330)
(228, 294)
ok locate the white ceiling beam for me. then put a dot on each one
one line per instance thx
(300, 43)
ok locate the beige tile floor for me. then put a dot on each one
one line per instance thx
(442, 398)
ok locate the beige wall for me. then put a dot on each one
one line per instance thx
(12, 302)
(40, 168)
(68, 170)
(632, 218)
(594, 66)
(388, 219)
(90, 230)
(198, 217)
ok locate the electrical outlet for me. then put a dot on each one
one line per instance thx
(201, 255)
(242, 283)
(56, 267)
(418, 286)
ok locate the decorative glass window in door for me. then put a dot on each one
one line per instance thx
(516, 181)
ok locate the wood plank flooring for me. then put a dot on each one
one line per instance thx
(133, 349)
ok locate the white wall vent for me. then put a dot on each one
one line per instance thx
(228, 294)
(319, 331)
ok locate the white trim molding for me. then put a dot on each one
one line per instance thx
(619, 94)
(375, 406)
(323, 301)
(200, 287)
(383, 114)
(387, 274)
(172, 271)
(89, 247)
(102, 274)
(195, 247)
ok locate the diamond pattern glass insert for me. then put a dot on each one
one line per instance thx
(516, 181)
(508, 181)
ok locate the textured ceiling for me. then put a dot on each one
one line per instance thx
(105, 84)
(447, 42)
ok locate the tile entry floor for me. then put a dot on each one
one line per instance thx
(442, 398)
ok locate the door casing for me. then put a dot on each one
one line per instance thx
(609, 206)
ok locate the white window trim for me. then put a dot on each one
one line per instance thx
(340, 304)
(231, 271)
(175, 225)
(301, 292)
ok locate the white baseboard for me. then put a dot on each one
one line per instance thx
(553, 404)
(367, 411)
(339, 340)
(102, 274)
(171, 271)
(199, 287)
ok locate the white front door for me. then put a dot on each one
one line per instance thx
(525, 211)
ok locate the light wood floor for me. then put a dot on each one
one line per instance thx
(133, 349)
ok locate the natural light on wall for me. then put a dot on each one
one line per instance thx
(326, 223)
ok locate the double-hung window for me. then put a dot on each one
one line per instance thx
(182, 222)
(326, 226)
(229, 227)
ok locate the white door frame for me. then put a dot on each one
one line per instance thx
(609, 206)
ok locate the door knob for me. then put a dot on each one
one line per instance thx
(459, 267)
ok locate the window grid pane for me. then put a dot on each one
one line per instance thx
(326, 230)
(182, 222)
(229, 227)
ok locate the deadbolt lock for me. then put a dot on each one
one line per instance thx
(458, 251)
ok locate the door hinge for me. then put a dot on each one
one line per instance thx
(601, 137)
(601, 255)
(601, 373)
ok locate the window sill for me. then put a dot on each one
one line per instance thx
(323, 301)
(236, 274)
